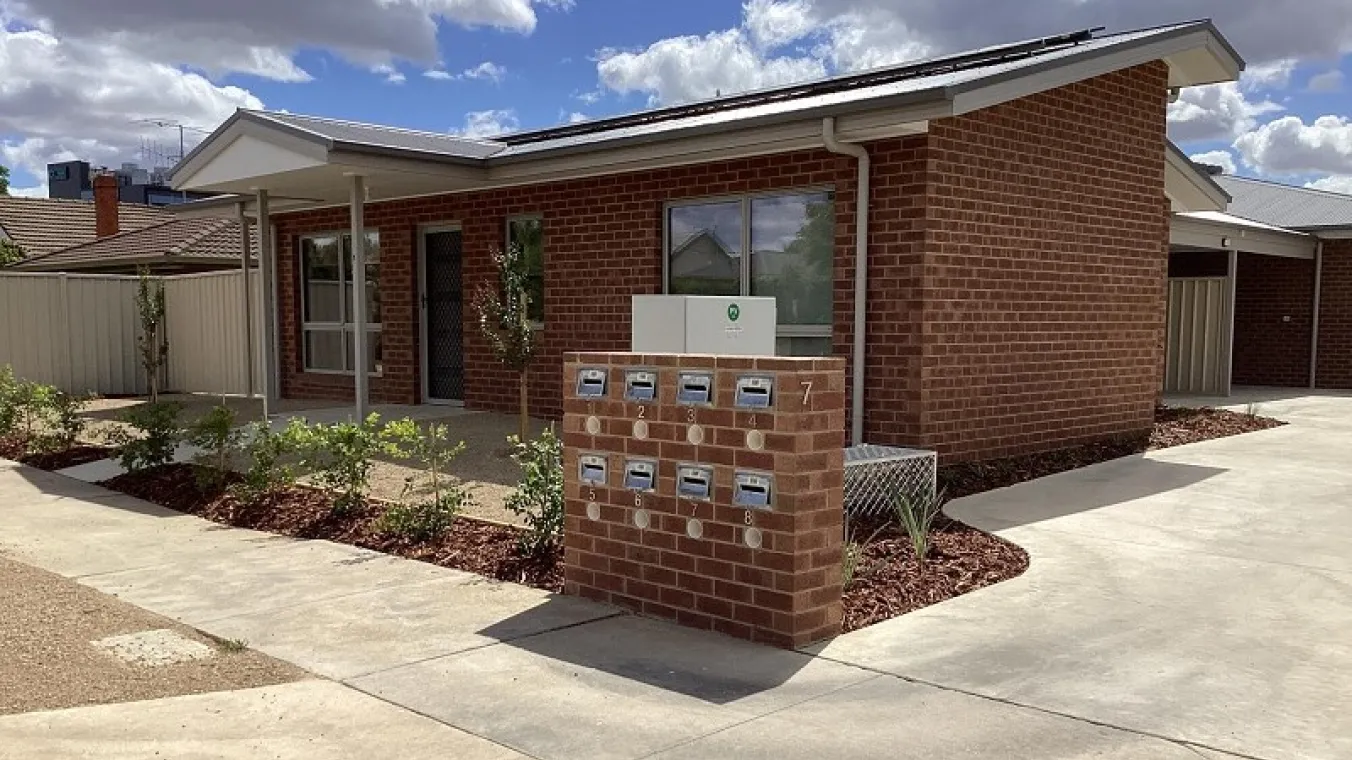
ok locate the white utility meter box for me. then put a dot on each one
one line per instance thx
(721, 325)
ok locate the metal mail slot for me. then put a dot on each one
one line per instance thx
(754, 490)
(591, 469)
(591, 382)
(640, 474)
(755, 391)
(695, 388)
(640, 385)
(694, 481)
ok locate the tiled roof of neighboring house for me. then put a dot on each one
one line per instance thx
(177, 241)
(1300, 208)
(42, 225)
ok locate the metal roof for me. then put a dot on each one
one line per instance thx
(1237, 221)
(358, 134)
(1286, 205)
(918, 81)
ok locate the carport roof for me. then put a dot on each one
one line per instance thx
(1300, 208)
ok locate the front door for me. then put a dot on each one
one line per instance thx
(443, 303)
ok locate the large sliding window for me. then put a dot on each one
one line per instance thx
(528, 232)
(791, 239)
(326, 303)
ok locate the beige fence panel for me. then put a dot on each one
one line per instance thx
(77, 332)
(1198, 340)
(206, 330)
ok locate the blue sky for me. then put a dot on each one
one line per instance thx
(77, 80)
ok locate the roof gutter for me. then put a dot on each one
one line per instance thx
(861, 208)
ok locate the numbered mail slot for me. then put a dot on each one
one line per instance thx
(753, 490)
(591, 469)
(640, 474)
(755, 392)
(694, 481)
(640, 385)
(591, 382)
(695, 388)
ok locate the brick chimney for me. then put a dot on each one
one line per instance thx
(105, 205)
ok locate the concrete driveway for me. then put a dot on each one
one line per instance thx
(1202, 593)
(1192, 603)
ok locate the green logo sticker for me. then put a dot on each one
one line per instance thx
(734, 311)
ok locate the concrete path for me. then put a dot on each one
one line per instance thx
(1186, 604)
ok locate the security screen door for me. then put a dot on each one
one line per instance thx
(443, 304)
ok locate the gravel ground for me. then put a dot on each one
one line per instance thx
(47, 660)
(485, 466)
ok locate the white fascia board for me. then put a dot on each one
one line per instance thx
(718, 146)
(1203, 233)
(1091, 66)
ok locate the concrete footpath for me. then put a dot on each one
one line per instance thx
(1187, 604)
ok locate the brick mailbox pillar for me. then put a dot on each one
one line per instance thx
(707, 490)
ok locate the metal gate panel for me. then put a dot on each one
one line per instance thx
(1198, 336)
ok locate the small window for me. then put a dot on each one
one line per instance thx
(528, 233)
(327, 285)
(780, 245)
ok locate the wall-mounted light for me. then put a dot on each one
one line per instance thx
(1225, 242)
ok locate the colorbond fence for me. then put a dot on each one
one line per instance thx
(78, 332)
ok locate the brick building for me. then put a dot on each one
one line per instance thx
(1012, 204)
(1278, 267)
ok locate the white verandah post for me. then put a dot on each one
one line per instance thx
(358, 275)
(266, 269)
(244, 246)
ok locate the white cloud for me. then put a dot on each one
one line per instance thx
(1214, 112)
(687, 68)
(772, 23)
(391, 74)
(36, 191)
(1290, 146)
(261, 37)
(1328, 81)
(577, 116)
(482, 124)
(1337, 183)
(1272, 75)
(1222, 158)
(486, 71)
(65, 100)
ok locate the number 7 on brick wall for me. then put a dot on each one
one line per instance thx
(807, 391)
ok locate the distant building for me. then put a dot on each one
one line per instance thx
(73, 180)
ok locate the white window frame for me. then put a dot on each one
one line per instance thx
(507, 240)
(344, 325)
(745, 199)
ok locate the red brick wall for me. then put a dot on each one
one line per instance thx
(1269, 349)
(1017, 275)
(1044, 281)
(1335, 316)
(603, 243)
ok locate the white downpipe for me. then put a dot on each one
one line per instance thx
(1314, 323)
(861, 207)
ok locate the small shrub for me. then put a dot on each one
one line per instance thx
(431, 446)
(852, 566)
(34, 402)
(9, 402)
(62, 424)
(339, 457)
(267, 452)
(539, 497)
(218, 439)
(424, 520)
(915, 517)
(158, 434)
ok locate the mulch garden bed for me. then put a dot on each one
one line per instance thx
(12, 448)
(472, 545)
(888, 581)
(1174, 426)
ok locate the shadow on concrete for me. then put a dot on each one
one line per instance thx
(29, 486)
(707, 666)
(1105, 484)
